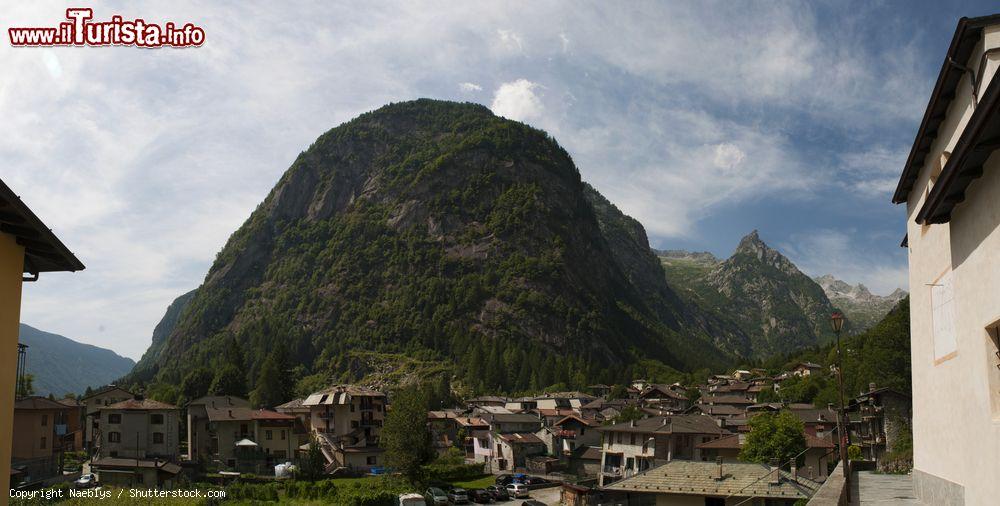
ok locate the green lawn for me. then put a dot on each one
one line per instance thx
(483, 482)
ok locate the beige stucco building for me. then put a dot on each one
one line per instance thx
(347, 421)
(217, 424)
(139, 429)
(950, 184)
(92, 405)
(27, 246)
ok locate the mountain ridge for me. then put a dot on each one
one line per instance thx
(439, 230)
(61, 365)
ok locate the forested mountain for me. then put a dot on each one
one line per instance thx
(879, 355)
(439, 231)
(61, 365)
(758, 290)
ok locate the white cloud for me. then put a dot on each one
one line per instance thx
(728, 156)
(517, 100)
(511, 40)
(849, 255)
(144, 161)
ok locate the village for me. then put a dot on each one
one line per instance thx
(573, 448)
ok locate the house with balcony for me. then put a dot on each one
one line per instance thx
(878, 418)
(199, 425)
(574, 431)
(632, 447)
(949, 184)
(347, 421)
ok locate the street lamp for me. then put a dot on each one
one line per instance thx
(837, 323)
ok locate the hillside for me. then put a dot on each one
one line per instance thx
(442, 232)
(758, 290)
(862, 307)
(61, 365)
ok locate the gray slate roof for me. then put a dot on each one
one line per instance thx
(700, 478)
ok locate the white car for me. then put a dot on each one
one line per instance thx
(518, 490)
(85, 481)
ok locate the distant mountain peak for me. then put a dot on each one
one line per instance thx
(861, 305)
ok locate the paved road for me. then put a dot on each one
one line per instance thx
(548, 496)
(878, 489)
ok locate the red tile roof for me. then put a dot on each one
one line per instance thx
(140, 404)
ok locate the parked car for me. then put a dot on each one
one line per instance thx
(499, 493)
(435, 496)
(535, 480)
(458, 496)
(85, 481)
(518, 490)
(480, 496)
(504, 479)
(532, 502)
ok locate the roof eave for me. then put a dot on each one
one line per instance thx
(910, 171)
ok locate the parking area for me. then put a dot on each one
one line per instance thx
(548, 496)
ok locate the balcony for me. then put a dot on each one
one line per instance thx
(612, 471)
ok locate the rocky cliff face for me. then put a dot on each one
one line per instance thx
(757, 290)
(861, 307)
(441, 231)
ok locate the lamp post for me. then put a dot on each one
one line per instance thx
(837, 322)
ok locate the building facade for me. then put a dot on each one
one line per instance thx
(950, 184)
(27, 246)
(139, 429)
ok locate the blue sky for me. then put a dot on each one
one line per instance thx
(704, 120)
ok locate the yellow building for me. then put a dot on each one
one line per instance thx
(27, 246)
(949, 185)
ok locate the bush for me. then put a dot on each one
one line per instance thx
(252, 491)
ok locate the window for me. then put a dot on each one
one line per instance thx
(156, 419)
(114, 437)
(268, 435)
(158, 438)
(943, 318)
(115, 418)
(372, 460)
(45, 420)
(243, 429)
(352, 407)
(631, 439)
(282, 434)
(993, 370)
(43, 444)
(619, 438)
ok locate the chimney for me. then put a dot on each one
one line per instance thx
(774, 469)
(871, 387)
(718, 463)
(631, 423)
(795, 472)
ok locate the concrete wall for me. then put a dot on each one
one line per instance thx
(11, 270)
(956, 410)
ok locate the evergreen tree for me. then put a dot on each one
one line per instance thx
(197, 383)
(405, 435)
(228, 380)
(273, 385)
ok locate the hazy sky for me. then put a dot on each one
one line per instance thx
(702, 120)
